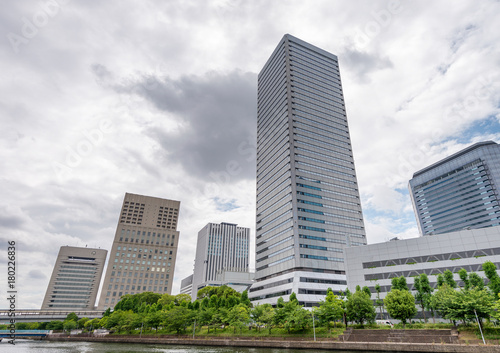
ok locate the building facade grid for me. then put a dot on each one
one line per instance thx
(308, 206)
(144, 249)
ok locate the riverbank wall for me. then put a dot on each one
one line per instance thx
(292, 344)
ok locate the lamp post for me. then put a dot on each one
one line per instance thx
(479, 324)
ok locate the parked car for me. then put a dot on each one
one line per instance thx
(384, 322)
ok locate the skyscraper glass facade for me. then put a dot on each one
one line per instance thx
(308, 206)
(459, 192)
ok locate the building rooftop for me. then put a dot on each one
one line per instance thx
(453, 156)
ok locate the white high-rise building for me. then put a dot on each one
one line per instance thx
(221, 257)
(308, 206)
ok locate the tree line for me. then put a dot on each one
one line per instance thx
(221, 307)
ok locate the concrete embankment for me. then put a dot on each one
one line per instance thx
(295, 344)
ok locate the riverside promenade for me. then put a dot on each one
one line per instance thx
(291, 344)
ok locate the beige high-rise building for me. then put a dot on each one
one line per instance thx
(144, 250)
(75, 279)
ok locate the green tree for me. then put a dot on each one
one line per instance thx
(21, 325)
(182, 299)
(130, 321)
(367, 291)
(399, 283)
(134, 301)
(424, 292)
(82, 321)
(244, 299)
(443, 300)
(34, 326)
(92, 324)
(69, 325)
(464, 277)
(178, 319)
(290, 315)
(470, 302)
(490, 270)
(205, 315)
(263, 315)
(359, 307)
(400, 305)
(448, 279)
(330, 309)
(238, 317)
(379, 302)
(166, 299)
(72, 316)
(103, 322)
(476, 281)
(154, 319)
(55, 325)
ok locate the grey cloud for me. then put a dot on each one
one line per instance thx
(36, 274)
(11, 222)
(363, 64)
(217, 118)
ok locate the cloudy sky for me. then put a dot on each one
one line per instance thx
(159, 98)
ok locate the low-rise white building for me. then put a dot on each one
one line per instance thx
(378, 263)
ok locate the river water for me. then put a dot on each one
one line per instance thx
(30, 346)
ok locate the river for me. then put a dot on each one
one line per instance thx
(30, 346)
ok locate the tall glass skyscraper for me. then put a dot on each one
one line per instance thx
(459, 192)
(308, 206)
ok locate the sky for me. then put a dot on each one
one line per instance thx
(159, 98)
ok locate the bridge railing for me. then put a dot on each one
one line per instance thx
(34, 312)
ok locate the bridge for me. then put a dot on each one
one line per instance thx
(32, 315)
(23, 333)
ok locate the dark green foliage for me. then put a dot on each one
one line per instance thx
(178, 319)
(490, 270)
(400, 305)
(476, 281)
(359, 307)
(330, 310)
(21, 326)
(154, 319)
(448, 279)
(72, 316)
(399, 283)
(55, 325)
(244, 299)
(135, 302)
(367, 291)
(379, 302)
(424, 292)
(464, 277)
